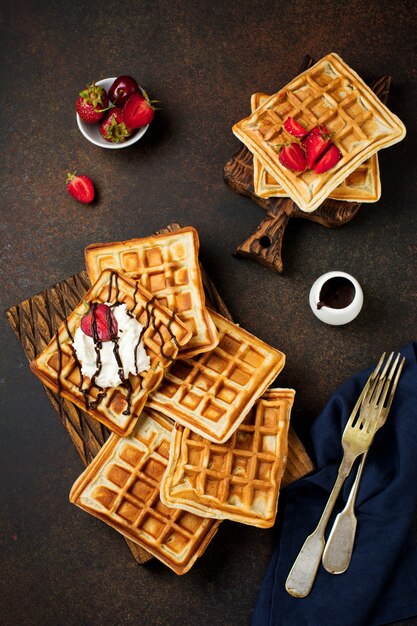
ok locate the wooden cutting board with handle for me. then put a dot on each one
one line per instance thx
(35, 321)
(265, 244)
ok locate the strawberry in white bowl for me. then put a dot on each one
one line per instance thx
(118, 91)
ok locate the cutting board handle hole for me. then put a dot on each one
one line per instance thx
(265, 241)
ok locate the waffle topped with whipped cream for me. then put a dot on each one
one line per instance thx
(167, 266)
(329, 93)
(362, 185)
(161, 334)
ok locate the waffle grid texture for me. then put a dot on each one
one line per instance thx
(328, 93)
(167, 266)
(240, 479)
(213, 392)
(121, 487)
(57, 367)
(362, 185)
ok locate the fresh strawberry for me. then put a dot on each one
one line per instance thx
(138, 110)
(292, 156)
(294, 128)
(80, 187)
(99, 323)
(113, 127)
(328, 160)
(91, 104)
(316, 142)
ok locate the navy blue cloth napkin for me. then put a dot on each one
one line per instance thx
(380, 585)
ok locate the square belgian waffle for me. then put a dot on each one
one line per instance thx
(328, 93)
(119, 407)
(167, 266)
(121, 487)
(362, 185)
(212, 392)
(239, 479)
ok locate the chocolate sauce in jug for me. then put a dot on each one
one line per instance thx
(337, 293)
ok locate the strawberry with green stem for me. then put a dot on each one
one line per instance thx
(80, 187)
(113, 128)
(92, 103)
(139, 110)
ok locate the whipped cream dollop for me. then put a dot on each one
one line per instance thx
(129, 332)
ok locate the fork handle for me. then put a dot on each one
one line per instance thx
(303, 572)
(338, 553)
(301, 577)
(339, 546)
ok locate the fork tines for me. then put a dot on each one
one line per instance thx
(381, 393)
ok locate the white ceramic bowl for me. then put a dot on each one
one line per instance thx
(91, 132)
(328, 315)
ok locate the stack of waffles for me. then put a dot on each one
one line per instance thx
(196, 438)
(329, 93)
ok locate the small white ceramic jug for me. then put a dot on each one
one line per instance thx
(336, 298)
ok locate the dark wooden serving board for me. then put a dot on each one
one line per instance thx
(35, 321)
(265, 244)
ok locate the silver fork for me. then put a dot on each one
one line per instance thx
(356, 439)
(339, 546)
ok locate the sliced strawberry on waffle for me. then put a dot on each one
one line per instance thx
(293, 157)
(328, 160)
(294, 128)
(316, 143)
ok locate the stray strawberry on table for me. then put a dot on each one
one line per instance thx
(80, 187)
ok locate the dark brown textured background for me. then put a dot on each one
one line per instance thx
(202, 60)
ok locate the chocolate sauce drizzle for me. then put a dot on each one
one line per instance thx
(125, 382)
(174, 339)
(97, 347)
(116, 284)
(58, 343)
(151, 316)
(74, 354)
(130, 312)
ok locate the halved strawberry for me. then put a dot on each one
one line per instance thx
(292, 156)
(139, 110)
(316, 142)
(80, 187)
(294, 128)
(328, 160)
(99, 323)
(91, 103)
